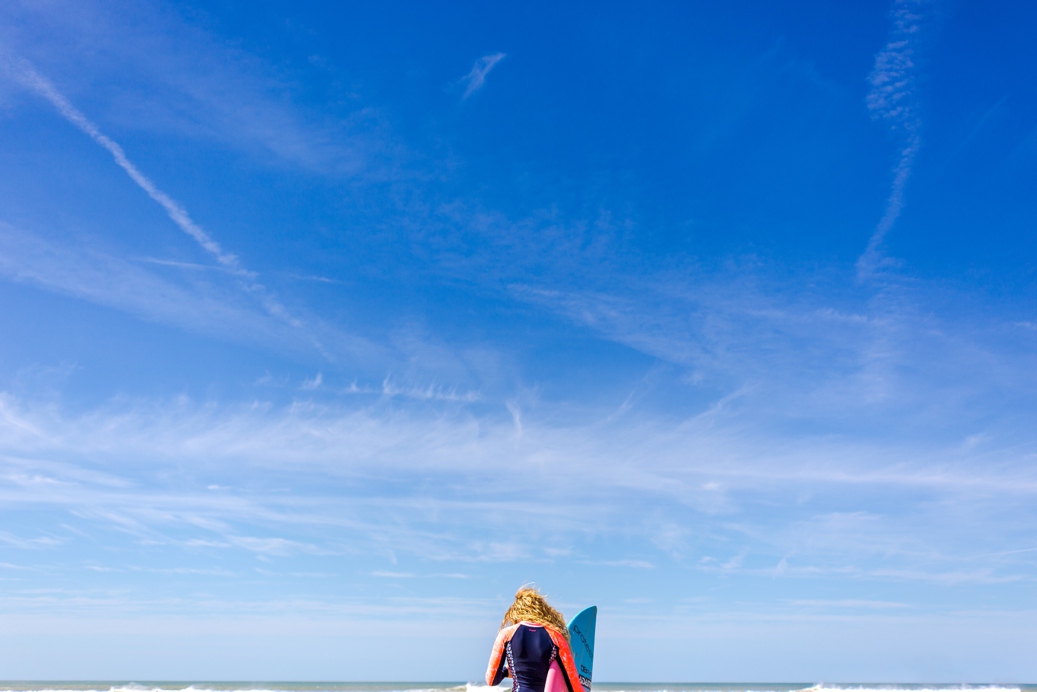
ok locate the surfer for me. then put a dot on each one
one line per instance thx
(533, 648)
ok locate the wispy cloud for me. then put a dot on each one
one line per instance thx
(477, 77)
(163, 74)
(430, 392)
(351, 468)
(179, 265)
(107, 280)
(14, 541)
(633, 564)
(313, 384)
(827, 351)
(893, 99)
(202, 307)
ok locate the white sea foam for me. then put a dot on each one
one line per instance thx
(231, 687)
(478, 687)
(910, 688)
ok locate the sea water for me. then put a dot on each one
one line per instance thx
(110, 686)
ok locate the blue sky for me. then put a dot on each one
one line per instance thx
(326, 326)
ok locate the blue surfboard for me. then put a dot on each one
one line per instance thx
(581, 632)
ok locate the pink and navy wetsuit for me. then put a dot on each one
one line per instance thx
(537, 658)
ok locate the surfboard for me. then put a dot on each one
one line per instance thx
(581, 632)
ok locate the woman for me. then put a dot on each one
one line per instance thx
(533, 648)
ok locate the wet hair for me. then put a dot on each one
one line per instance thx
(531, 606)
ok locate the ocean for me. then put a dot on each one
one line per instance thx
(183, 686)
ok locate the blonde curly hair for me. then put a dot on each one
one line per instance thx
(531, 606)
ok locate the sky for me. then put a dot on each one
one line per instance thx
(326, 326)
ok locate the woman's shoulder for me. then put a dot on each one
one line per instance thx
(557, 637)
(506, 633)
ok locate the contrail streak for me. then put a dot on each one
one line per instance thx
(33, 80)
(892, 98)
(177, 213)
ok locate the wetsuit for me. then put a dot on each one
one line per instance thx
(537, 658)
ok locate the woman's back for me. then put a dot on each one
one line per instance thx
(533, 648)
(530, 656)
(537, 659)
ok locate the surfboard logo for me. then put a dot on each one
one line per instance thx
(581, 629)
